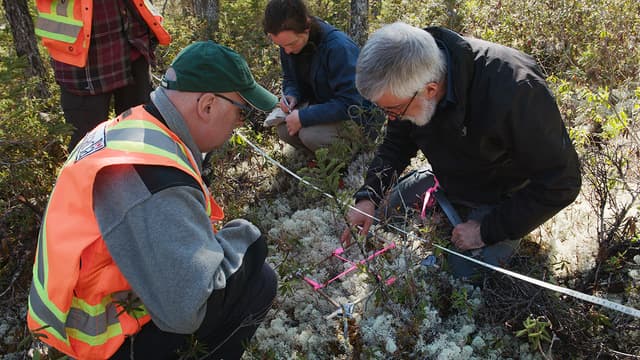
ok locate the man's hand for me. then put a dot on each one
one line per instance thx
(358, 218)
(466, 236)
(293, 123)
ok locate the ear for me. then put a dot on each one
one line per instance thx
(431, 90)
(205, 105)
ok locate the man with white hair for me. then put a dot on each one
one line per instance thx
(489, 126)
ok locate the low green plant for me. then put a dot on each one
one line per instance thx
(194, 350)
(599, 321)
(536, 329)
(460, 301)
(325, 171)
(615, 262)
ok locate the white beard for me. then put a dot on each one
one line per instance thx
(428, 109)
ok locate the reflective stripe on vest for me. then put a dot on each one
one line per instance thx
(129, 136)
(65, 27)
(65, 319)
(92, 324)
(59, 24)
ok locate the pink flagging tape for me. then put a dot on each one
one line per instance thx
(428, 199)
(316, 285)
(573, 293)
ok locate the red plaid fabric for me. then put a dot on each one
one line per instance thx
(118, 36)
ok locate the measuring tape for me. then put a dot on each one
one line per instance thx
(576, 294)
(573, 293)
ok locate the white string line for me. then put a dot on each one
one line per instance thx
(576, 294)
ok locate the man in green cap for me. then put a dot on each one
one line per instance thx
(133, 256)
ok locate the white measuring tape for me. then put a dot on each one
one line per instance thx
(573, 293)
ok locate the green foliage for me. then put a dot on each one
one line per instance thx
(590, 41)
(418, 13)
(560, 266)
(131, 305)
(599, 321)
(227, 180)
(195, 350)
(616, 262)
(32, 146)
(325, 171)
(589, 49)
(536, 331)
(460, 301)
(241, 29)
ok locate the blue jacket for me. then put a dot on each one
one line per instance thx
(332, 78)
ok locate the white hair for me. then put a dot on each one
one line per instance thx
(400, 59)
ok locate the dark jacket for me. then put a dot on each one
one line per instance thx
(497, 139)
(332, 71)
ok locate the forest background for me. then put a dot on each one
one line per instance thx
(591, 54)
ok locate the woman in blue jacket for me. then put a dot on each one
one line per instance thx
(318, 65)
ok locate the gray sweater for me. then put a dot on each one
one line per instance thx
(163, 242)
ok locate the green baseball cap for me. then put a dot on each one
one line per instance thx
(206, 66)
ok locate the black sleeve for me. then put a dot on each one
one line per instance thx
(158, 178)
(391, 158)
(543, 151)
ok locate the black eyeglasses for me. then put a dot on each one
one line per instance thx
(395, 115)
(245, 110)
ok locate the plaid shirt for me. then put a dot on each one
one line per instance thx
(118, 37)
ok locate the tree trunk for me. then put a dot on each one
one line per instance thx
(25, 42)
(209, 11)
(359, 21)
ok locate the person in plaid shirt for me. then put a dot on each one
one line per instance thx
(120, 51)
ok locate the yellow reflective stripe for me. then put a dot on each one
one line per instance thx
(64, 10)
(41, 269)
(127, 142)
(58, 23)
(98, 309)
(52, 35)
(41, 309)
(44, 297)
(92, 310)
(61, 19)
(149, 149)
(134, 123)
(92, 325)
(137, 124)
(112, 331)
(47, 328)
(57, 27)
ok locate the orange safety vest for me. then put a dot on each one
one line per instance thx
(79, 302)
(65, 27)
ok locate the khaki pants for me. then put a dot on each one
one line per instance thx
(312, 137)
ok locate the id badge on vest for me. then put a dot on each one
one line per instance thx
(95, 140)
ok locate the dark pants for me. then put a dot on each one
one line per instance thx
(84, 112)
(233, 315)
(408, 194)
